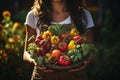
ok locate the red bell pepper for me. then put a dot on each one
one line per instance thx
(77, 39)
(62, 46)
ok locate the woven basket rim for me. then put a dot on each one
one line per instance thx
(66, 68)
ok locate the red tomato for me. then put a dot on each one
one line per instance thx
(62, 46)
(56, 53)
(65, 35)
(64, 60)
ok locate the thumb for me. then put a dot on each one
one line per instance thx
(33, 62)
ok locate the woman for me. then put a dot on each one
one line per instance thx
(67, 12)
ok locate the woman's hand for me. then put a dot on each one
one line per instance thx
(27, 57)
(32, 61)
(44, 69)
(85, 64)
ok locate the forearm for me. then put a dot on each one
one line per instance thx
(26, 55)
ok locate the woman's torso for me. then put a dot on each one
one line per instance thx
(41, 75)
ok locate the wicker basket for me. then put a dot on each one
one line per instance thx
(66, 68)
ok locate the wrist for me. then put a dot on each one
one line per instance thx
(27, 56)
(31, 60)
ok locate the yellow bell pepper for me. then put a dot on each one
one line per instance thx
(74, 32)
(71, 45)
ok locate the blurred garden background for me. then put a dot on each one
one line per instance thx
(106, 17)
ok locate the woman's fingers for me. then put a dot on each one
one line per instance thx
(81, 67)
(44, 69)
(33, 62)
(85, 64)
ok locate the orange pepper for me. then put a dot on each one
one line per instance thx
(55, 39)
(46, 34)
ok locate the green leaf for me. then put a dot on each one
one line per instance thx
(87, 48)
(40, 60)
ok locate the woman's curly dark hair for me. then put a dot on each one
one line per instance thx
(43, 9)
